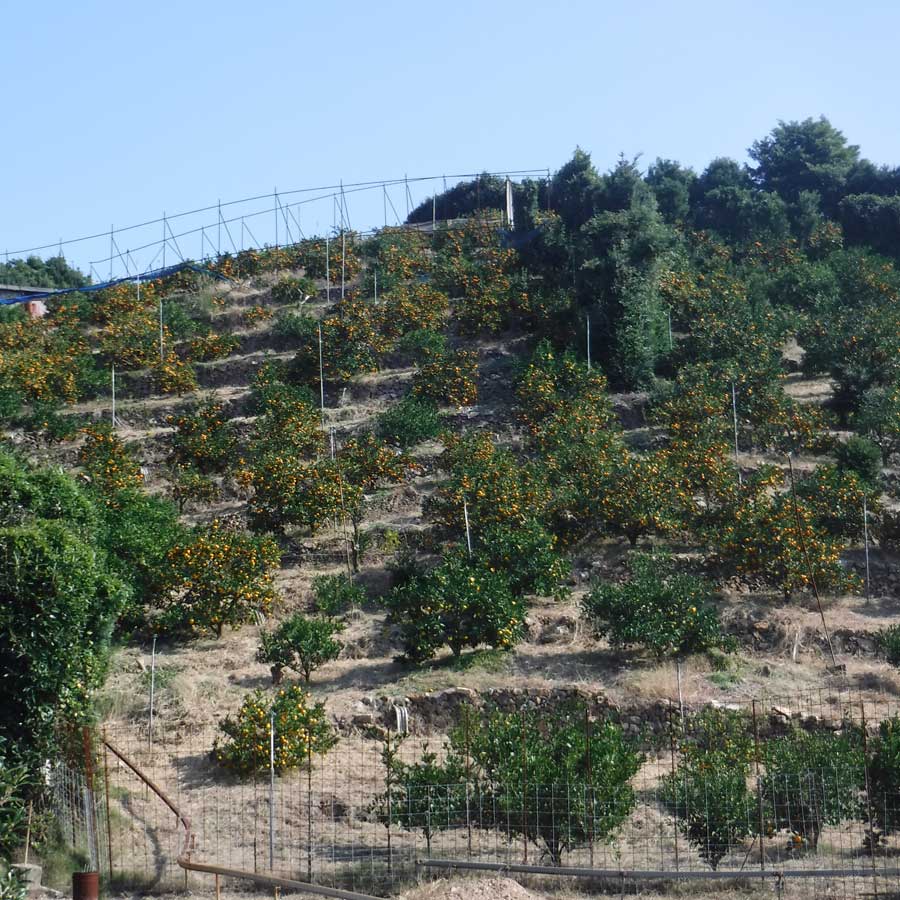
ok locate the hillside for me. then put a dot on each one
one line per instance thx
(606, 470)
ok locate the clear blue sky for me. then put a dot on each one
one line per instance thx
(115, 111)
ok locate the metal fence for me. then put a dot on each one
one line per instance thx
(343, 823)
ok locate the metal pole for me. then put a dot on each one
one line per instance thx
(433, 212)
(327, 270)
(680, 696)
(272, 790)
(524, 789)
(219, 253)
(587, 319)
(113, 379)
(671, 345)
(321, 378)
(762, 830)
(343, 260)
(111, 250)
(376, 285)
(866, 541)
(152, 694)
(162, 346)
(468, 531)
(735, 418)
(165, 240)
(275, 211)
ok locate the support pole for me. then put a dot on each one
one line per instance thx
(468, 531)
(152, 694)
(321, 378)
(327, 269)
(587, 320)
(866, 542)
(343, 260)
(109, 848)
(272, 790)
(734, 416)
(113, 385)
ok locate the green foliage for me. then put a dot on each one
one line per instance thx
(409, 422)
(539, 762)
(218, 577)
(15, 781)
(878, 419)
(450, 379)
(54, 272)
(658, 608)
(203, 438)
(300, 643)
(836, 498)
(888, 642)
(708, 793)
(527, 555)
(293, 290)
(884, 774)
(460, 604)
(422, 344)
(302, 730)
(812, 780)
(54, 585)
(336, 594)
(861, 457)
(189, 485)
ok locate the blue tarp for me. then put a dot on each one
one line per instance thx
(146, 276)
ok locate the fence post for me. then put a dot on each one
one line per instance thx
(309, 818)
(390, 816)
(674, 785)
(466, 716)
(109, 849)
(865, 736)
(762, 848)
(90, 819)
(590, 783)
(272, 790)
(524, 790)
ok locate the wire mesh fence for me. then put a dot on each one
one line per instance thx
(345, 821)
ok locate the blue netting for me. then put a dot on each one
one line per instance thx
(146, 276)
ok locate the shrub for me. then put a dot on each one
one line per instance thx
(221, 577)
(203, 438)
(173, 375)
(526, 554)
(256, 315)
(884, 778)
(657, 608)
(298, 327)
(301, 729)
(108, 463)
(449, 379)
(887, 640)
(572, 791)
(422, 345)
(861, 457)
(836, 498)
(812, 780)
(409, 422)
(189, 485)
(208, 347)
(301, 644)
(15, 780)
(412, 308)
(459, 603)
(293, 290)
(335, 594)
(708, 792)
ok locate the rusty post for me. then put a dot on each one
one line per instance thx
(762, 848)
(108, 818)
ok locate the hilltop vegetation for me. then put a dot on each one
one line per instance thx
(613, 372)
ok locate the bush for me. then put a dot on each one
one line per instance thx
(526, 554)
(708, 792)
(173, 375)
(459, 603)
(15, 780)
(812, 780)
(108, 463)
(301, 644)
(293, 290)
(884, 778)
(221, 577)
(575, 791)
(335, 594)
(450, 379)
(203, 438)
(409, 422)
(657, 608)
(191, 486)
(422, 345)
(861, 457)
(208, 347)
(887, 640)
(301, 730)
(298, 327)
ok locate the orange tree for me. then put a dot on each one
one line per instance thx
(301, 730)
(108, 463)
(494, 486)
(449, 378)
(207, 347)
(779, 539)
(408, 308)
(203, 438)
(398, 255)
(173, 375)
(460, 603)
(836, 498)
(220, 577)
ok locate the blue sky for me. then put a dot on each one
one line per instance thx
(117, 111)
